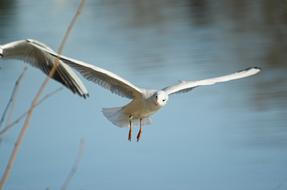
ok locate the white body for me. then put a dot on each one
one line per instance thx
(139, 108)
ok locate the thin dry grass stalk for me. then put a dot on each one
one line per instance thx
(16, 121)
(11, 103)
(34, 102)
(75, 165)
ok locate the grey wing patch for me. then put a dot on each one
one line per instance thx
(64, 74)
(35, 42)
(116, 89)
(35, 53)
(104, 82)
(170, 88)
(184, 90)
(102, 77)
(188, 85)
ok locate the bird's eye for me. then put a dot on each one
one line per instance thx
(156, 96)
(163, 100)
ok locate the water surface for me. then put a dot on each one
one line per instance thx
(227, 136)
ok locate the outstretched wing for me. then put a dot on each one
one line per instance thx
(33, 52)
(186, 86)
(102, 77)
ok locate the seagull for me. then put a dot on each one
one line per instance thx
(29, 51)
(144, 102)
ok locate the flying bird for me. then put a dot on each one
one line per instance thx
(144, 102)
(33, 52)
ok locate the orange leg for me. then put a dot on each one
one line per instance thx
(140, 131)
(130, 131)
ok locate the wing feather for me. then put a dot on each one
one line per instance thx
(29, 52)
(186, 86)
(102, 77)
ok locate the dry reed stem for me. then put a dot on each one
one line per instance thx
(75, 165)
(34, 102)
(11, 102)
(12, 124)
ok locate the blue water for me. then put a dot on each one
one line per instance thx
(227, 136)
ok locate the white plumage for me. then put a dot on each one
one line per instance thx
(144, 102)
(33, 52)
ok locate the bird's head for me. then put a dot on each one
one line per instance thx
(160, 98)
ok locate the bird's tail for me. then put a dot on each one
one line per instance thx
(121, 119)
(116, 116)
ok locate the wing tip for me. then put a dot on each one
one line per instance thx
(252, 70)
(82, 92)
(86, 95)
(30, 40)
(249, 68)
(257, 68)
(1, 52)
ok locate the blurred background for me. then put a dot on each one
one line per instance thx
(226, 136)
